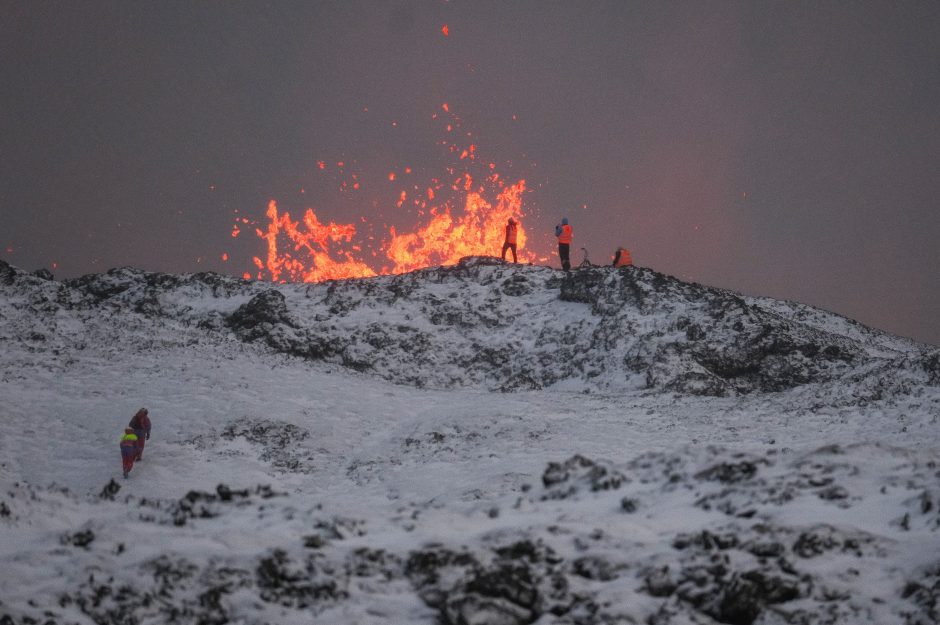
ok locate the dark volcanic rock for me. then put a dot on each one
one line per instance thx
(521, 583)
(709, 582)
(505, 327)
(110, 490)
(44, 273)
(7, 273)
(730, 472)
(581, 286)
(81, 538)
(300, 585)
(202, 505)
(276, 441)
(261, 314)
(564, 479)
(924, 593)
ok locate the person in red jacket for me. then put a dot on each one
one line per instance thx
(622, 258)
(564, 234)
(140, 423)
(128, 449)
(509, 243)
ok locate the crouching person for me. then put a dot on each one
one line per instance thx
(622, 258)
(128, 449)
(141, 426)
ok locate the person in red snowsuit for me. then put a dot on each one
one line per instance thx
(140, 423)
(128, 449)
(509, 243)
(622, 258)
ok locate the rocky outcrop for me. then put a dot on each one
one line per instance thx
(507, 327)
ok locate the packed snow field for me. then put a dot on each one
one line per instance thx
(480, 444)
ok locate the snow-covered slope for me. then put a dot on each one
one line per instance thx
(505, 327)
(347, 453)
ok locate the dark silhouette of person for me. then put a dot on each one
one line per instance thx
(509, 243)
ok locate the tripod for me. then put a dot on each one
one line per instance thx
(586, 261)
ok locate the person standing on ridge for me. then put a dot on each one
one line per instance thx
(128, 449)
(564, 234)
(140, 423)
(509, 243)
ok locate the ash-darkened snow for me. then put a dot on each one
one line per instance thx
(477, 444)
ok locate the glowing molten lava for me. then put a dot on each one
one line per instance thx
(311, 251)
(313, 239)
(479, 231)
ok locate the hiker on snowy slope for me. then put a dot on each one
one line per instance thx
(564, 234)
(509, 243)
(140, 423)
(128, 449)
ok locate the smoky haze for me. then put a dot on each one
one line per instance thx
(780, 149)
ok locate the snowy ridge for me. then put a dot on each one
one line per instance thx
(668, 454)
(507, 327)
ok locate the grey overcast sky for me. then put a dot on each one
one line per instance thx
(787, 149)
